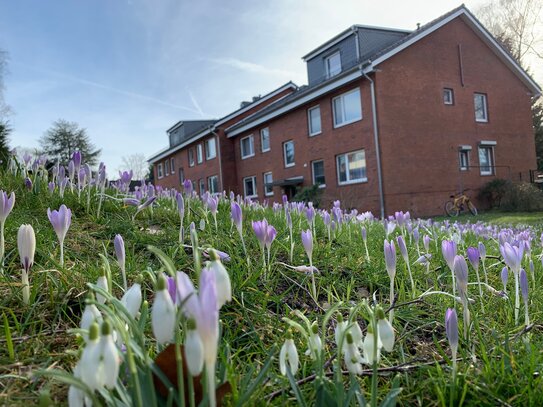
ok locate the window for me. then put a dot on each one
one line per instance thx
(481, 110)
(333, 64)
(213, 184)
(191, 157)
(181, 176)
(167, 167)
(211, 148)
(199, 155)
(448, 96)
(314, 120)
(172, 165)
(265, 139)
(268, 189)
(159, 171)
(486, 159)
(202, 186)
(463, 158)
(351, 167)
(317, 170)
(249, 187)
(247, 147)
(347, 108)
(288, 153)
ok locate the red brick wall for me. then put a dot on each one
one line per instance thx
(420, 135)
(325, 146)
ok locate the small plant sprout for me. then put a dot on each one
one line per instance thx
(26, 243)
(390, 263)
(307, 242)
(6, 206)
(288, 356)
(524, 290)
(61, 221)
(118, 243)
(163, 314)
(405, 256)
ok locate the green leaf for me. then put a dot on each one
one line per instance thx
(9, 341)
(295, 388)
(259, 379)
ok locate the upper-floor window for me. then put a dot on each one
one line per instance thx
(317, 172)
(347, 108)
(333, 64)
(159, 171)
(314, 120)
(213, 184)
(448, 96)
(247, 147)
(288, 153)
(199, 155)
(351, 167)
(191, 157)
(249, 187)
(172, 165)
(481, 107)
(268, 188)
(211, 148)
(265, 139)
(167, 167)
(486, 158)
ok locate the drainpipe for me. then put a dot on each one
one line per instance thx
(218, 142)
(376, 141)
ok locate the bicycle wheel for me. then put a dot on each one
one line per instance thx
(472, 208)
(451, 209)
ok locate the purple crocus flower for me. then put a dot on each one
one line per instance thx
(187, 187)
(6, 205)
(310, 214)
(364, 233)
(285, 201)
(76, 158)
(180, 204)
(28, 184)
(448, 249)
(512, 256)
(261, 231)
(224, 257)
(236, 215)
(144, 205)
(390, 258)
(51, 187)
(403, 248)
(482, 251)
(451, 328)
(524, 285)
(504, 276)
(131, 201)
(473, 257)
(307, 241)
(126, 176)
(118, 243)
(416, 235)
(426, 242)
(271, 233)
(61, 221)
(460, 268)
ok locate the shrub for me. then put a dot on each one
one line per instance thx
(494, 191)
(309, 194)
(522, 196)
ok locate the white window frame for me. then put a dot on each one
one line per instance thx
(342, 96)
(262, 132)
(327, 60)
(172, 165)
(485, 107)
(490, 147)
(314, 182)
(348, 182)
(450, 92)
(266, 191)
(311, 132)
(252, 144)
(292, 164)
(207, 143)
(160, 174)
(463, 152)
(199, 154)
(191, 157)
(253, 179)
(210, 183)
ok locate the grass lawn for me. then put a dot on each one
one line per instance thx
(499, 358)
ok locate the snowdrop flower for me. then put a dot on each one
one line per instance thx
(194, 349)
(371, 354)
(288, 354)
(353, 359)
(109, 360)
(90, 315)
(118, 243)
(90, 359)
(103, 284)
(385, 330)
(132, 299)
(163, 314)
(222, 279)
(26, 243)
(314, 347)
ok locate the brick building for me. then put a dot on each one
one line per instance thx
(390, 120)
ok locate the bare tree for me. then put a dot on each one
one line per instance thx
(5, 110)
(517, 24)
(137, 163)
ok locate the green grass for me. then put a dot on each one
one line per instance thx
(499, 364)
(500, 218)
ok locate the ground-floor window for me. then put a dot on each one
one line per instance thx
(317, 173)
(268, 179)
(202, 186)
(249, 187)
(351, 167)
(486, 160)
(213, 184)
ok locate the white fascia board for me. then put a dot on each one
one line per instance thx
(307, 98)
(255, 103)
(487, 143)
(329, 44)
(169, 151)
(464, 148)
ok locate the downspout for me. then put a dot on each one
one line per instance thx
(376, 141)
(212, 129)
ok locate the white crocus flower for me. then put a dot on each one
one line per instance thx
(163, 314)
(222, 279)
(102, 283)
(288, 354)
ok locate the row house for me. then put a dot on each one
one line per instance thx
(390, 120)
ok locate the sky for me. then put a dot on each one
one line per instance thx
(127, 70)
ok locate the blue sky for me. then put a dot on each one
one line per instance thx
(127, 70)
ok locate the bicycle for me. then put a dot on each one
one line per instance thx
(459, 204)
